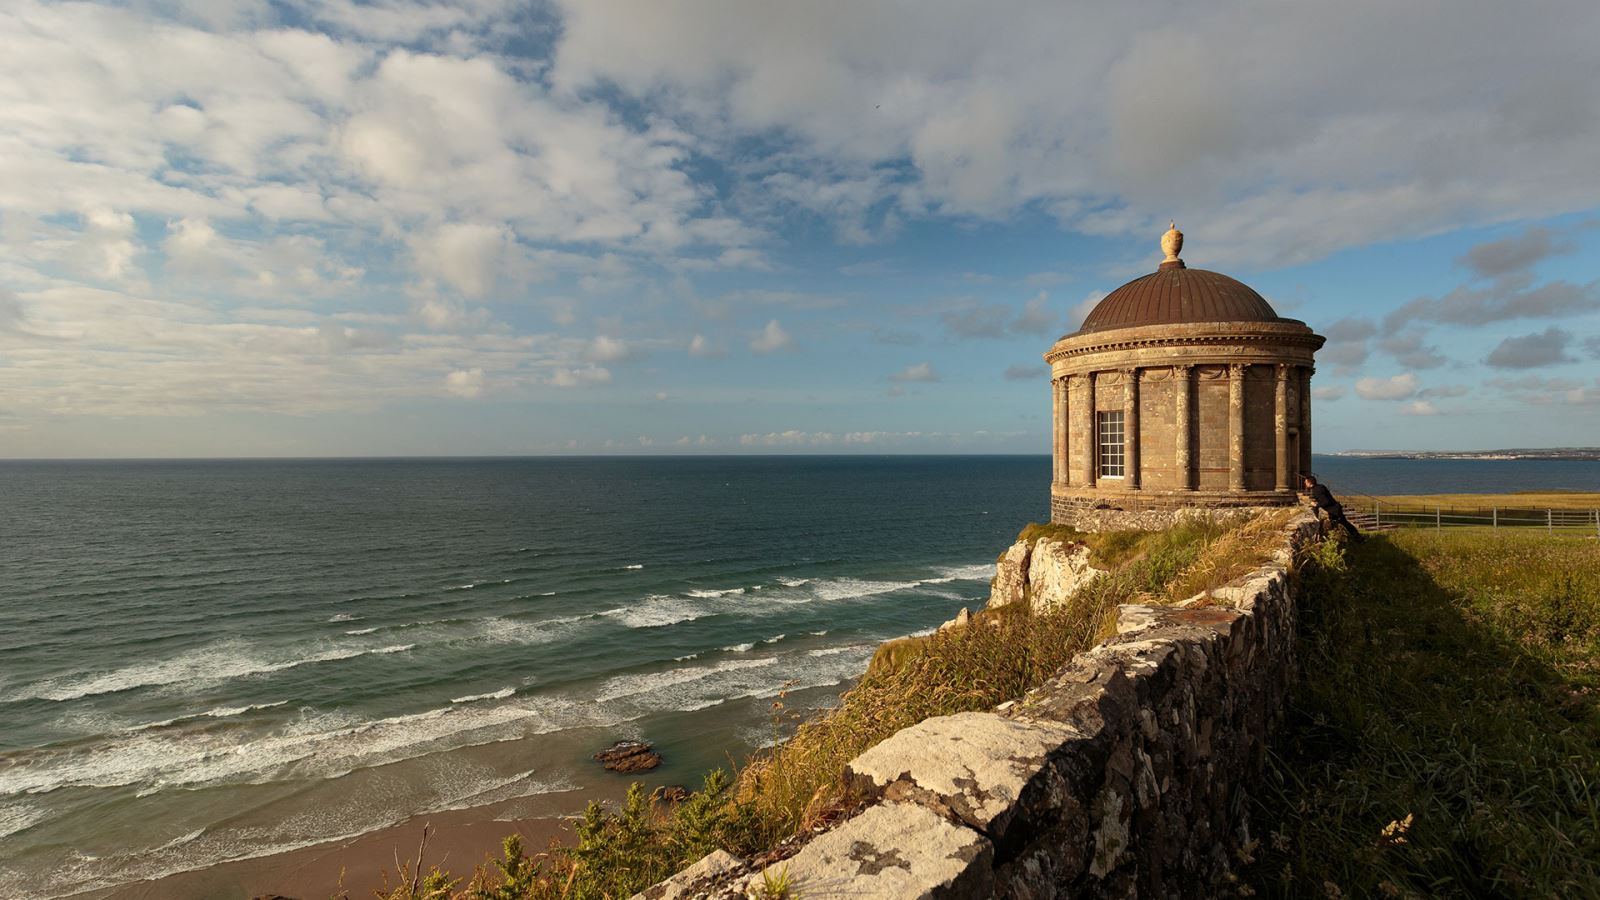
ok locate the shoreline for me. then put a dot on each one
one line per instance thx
(458, 840)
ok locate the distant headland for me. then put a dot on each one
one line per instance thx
(1588, 454)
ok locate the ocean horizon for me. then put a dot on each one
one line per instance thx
(211, 660)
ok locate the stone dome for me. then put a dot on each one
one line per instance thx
(1175, 294)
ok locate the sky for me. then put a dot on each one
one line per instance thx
(327, 228)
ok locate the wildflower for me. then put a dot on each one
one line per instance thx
(1332, 890)
(1394, 833)
(1280, 841)
(1247, 850)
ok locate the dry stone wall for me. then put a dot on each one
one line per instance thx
(1125, 775)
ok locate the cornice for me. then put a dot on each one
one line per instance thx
(1129, 339)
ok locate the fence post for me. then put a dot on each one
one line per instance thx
(1497, 517)
(1549, 521)
(1436, 524)
(1377, 515)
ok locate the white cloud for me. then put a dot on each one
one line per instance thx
(700, 346)
(1329, 393)
(1419, 408)
(605, 349)
(978, 113)
(921, 371)
(465, 255)
(791, 438)
(464, 382)
(1396, 387)
(772, 339)
(579, 377)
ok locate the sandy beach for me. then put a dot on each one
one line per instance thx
(458, 840)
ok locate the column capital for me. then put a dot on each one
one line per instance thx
(1236, 370)
(1283, 372)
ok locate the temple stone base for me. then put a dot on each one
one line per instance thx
(1155, 510)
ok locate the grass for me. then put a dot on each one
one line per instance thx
(1523, 500)
(1445, 736)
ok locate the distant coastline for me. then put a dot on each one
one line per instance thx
(1580, 454)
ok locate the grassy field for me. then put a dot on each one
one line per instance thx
(1445, 736)
(1525, 500)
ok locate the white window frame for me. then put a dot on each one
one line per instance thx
(1112, 444)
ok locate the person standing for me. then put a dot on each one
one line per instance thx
(1322, 499)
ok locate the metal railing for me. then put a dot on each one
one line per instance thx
(1368, 510)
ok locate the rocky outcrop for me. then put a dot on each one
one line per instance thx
(1010, 584)
(629, 756)
(1042, 573)
(1056, 570)
(1125, 775)
(960, 621)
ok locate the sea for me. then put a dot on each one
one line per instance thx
(203, 661)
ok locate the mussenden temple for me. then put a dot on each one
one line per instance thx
(1182, 389)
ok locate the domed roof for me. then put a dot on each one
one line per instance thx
(1175, 294)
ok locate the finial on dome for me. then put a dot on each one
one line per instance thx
(1171, 243)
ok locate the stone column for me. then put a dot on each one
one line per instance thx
(1305, 419)
(1130, 429)
(1091, 440)
(1065, 430)
(1236, 427)
(1058, 447)
(1280, 422)
(1181, 384)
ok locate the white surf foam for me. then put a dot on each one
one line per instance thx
(221, 712)
(493, 695)
(634, 566)
(324, 745)
(711, 594)
(363, 630)
(974, 572)
(620, 686)
(343, 617)
(15, 817)
(740, 648)
(852, 588)
(656, 611)
(207, 665)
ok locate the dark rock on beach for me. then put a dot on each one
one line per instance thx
(629, 756)
(671, 793)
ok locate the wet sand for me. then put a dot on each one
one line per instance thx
(457, 841)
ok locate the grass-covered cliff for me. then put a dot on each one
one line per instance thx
(999, 655)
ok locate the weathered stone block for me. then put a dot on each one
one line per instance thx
(695, 881)
(898, 850)
(986, 770)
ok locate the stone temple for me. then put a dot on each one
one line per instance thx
(1182, 389)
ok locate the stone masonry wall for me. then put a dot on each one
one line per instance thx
(1125, 775)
